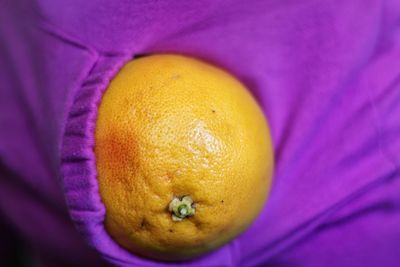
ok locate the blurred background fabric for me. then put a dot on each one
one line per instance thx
(326, 73)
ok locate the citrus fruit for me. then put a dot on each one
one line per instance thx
(183, 155)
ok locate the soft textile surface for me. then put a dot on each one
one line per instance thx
(326, 73)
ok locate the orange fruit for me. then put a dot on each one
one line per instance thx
(183, 155)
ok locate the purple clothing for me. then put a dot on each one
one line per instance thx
(326, 73)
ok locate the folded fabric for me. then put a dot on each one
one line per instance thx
(326, 73)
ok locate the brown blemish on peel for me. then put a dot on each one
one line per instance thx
(118, 151)
(198, 225)
(144, 224)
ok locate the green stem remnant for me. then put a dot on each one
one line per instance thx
(181, 208)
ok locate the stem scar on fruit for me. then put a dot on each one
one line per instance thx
(181, 208)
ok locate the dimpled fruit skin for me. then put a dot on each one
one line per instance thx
(168, 126)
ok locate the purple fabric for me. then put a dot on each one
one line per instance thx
(326, 73)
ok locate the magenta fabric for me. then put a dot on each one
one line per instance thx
(326, 73)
